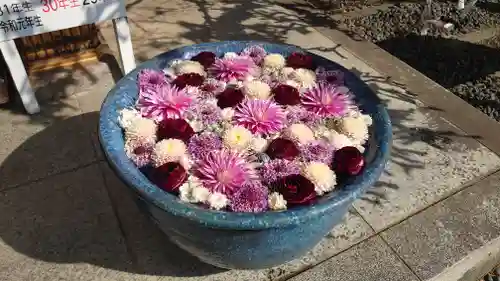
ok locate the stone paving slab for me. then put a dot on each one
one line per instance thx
(443, 234)
(371, 260)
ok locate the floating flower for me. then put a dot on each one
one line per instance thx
(339, 141)
(278, 168)
(237, 68)
(256, 89)
(259, 144)
(229, 97)
(238, 138)
(227, 114)
(205, 58)
(187, 66)
(276, 202)
(295, 189)
(282, 149)
(188, 79)
(169, 150)
(274, 62)
(286, 95)
(326, 101)
(212, 87)
(256, 52)
(200, 145)
(354, 127)
(250, 198)
(321, 176)
(298, 114)
(169, 176)
(299, 60)
(141, 129)
(348, 161)
(201, 194)
(260, 116)
(317, 151)
(217, 201)
(224, 171)
(127, 117)
(151, 78)
(304, 77)
(230, 55)
(300, 133)
(174, 129)
(163, 102)
(139, 152)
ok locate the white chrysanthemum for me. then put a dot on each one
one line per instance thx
(321, 176)
(368, 119)
(196, 124)
(200, 193)
(256, 89)
(274, 61)
(238, 137)
(211, 101)
(355, 128)
(292, 83)
(186, 190)
(186, 162)
(168, 150)
(286, 73)
(217, 200)
(227, 114)
(339, 141)
(141, 129)
(276, 201)
(175, 62)
(230, 55)
(321, 132)
(188, 66)
(127, 117)
(259, 144)
(300, 132)
(305, 77)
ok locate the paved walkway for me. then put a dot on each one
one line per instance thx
(64, 215)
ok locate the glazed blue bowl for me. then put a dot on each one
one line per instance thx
(242, 240)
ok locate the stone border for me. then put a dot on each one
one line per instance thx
(435, 97)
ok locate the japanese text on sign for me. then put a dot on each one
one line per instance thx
(19, 18)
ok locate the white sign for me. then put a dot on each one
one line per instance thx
(20, 18)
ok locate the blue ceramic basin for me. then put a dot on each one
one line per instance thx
(242, 240)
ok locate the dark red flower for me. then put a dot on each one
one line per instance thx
(229, 97)
(286, 95)
(296, 190)
(174, 129)
(205, 58)
(299, 60)
(348, 161)
(169, 176)
(283, 149)
(188, 79)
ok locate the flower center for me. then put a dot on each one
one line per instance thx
(140, 150)
(224, 177)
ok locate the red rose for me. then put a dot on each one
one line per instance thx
(169, 176)
(348, 161)
(174, 129)
(296, 189)
(229, 97)
(286, 95)
(282, 148)
(205, 58)
(299, 60)
(188, 79)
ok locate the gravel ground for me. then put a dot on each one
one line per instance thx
(471, 71)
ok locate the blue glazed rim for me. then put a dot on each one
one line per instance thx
(125, 92)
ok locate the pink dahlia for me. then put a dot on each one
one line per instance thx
(250, 198)
(151, 77)
(162, 102)
(256, 52)
(326, 101)
(234, 68)
(260, 116)
(224, 171)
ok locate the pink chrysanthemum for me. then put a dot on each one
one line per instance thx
(161, 102)
(278, 168)
(326, 101)
(233, 68)
(256, 52)
(317, 151)
(298, 114)
(200, 145)
(139, 152)
(151, 78)
(260, 116)
(224, 171)
(250, 198)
